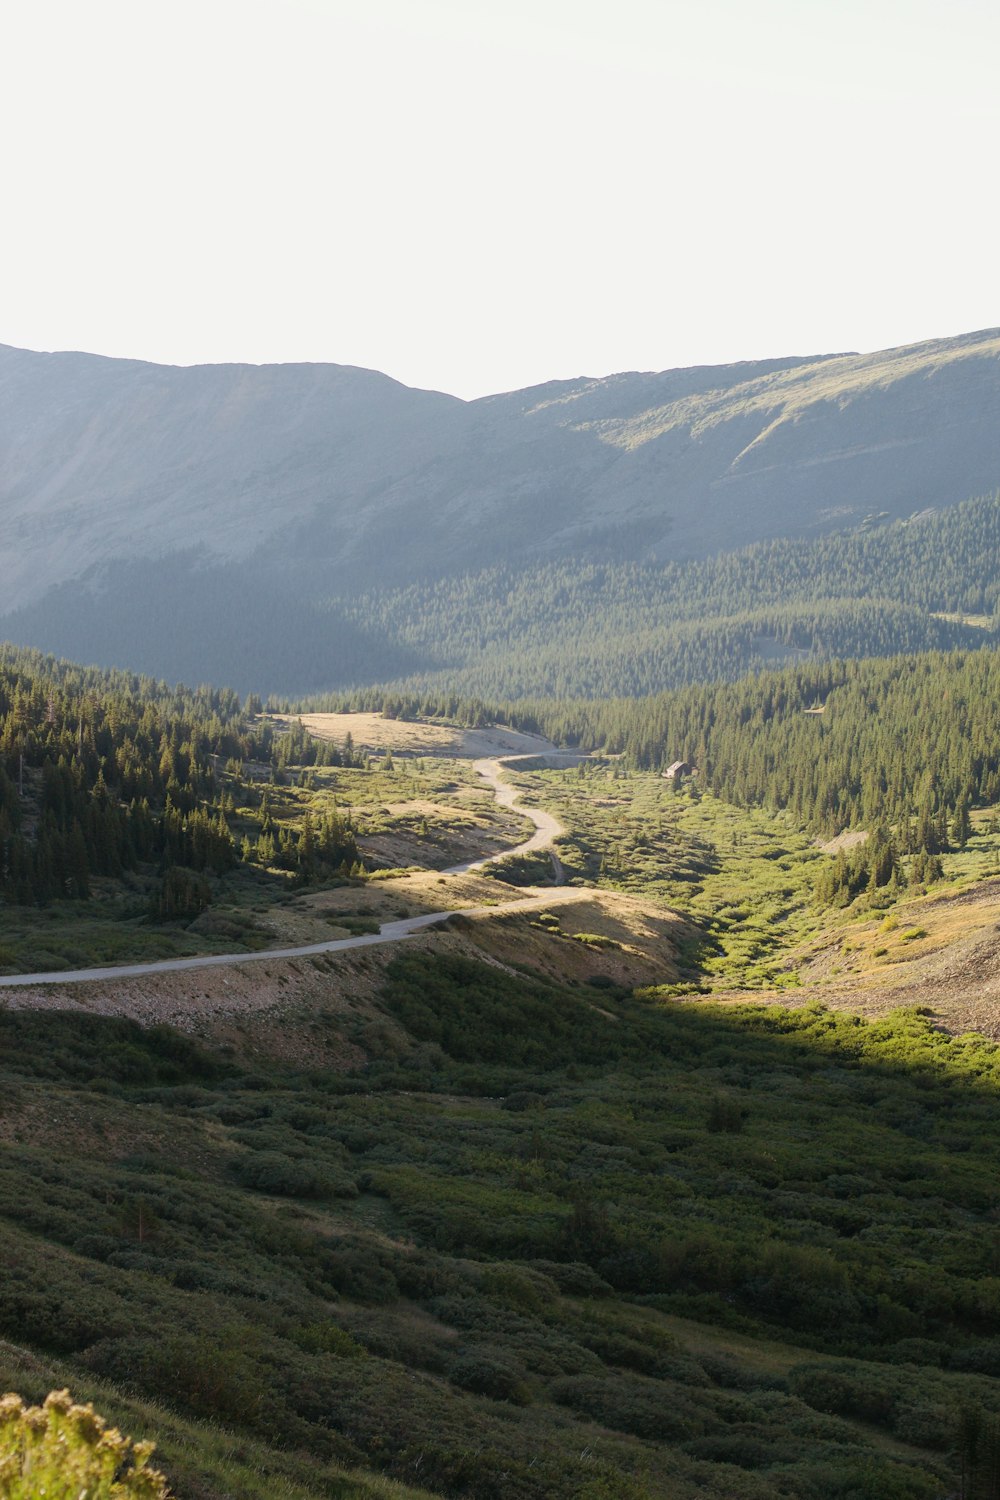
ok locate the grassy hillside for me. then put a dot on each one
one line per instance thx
(509, 1222)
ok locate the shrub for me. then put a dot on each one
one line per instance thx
(526, 1291)
(630, 1404)
(180, 896)
(573, 1278)
(63, 1451)
(521, 1100)
(725, 1116)
(925, 1425)
(486, 1376)
(270, 1172)
(360, 1271)
(327, 1338)
(209, 1375)
(844, 1389)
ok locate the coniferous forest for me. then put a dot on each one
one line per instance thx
(838, 744)
(101, 773)
(569, 628)
(582, 629)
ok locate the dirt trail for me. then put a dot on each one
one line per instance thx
(547, 829)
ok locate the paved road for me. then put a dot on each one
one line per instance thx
(547, 828)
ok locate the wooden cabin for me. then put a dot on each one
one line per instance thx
(679, 770)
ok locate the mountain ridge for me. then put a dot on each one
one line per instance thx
(314, 481)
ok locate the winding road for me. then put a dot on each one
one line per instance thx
(547, 829)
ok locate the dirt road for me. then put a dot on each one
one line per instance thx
(547, 829)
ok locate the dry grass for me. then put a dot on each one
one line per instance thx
(940, 952)
(785, 395)
(373, 732)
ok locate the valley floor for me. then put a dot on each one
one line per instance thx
(667, 891)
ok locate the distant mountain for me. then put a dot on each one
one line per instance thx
(164, 517)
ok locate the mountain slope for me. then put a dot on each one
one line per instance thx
(227, 494)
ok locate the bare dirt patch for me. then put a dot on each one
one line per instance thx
(374, 732)
(437, 837)
(637, 939)
(849, 839)
(316, 1012)
(214, 1003)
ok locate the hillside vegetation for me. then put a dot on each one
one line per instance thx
(138, 820)
(636, 1252)
(488, 1184)
(103, 771)
(580, 629)
(906, 741)
(569, 628)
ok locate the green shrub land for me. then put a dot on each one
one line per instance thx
(535, 1246)
(745, 879)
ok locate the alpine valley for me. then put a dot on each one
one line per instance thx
(523, 1021)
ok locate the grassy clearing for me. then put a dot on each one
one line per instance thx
(743, 877)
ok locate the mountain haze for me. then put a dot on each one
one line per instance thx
(224, 502)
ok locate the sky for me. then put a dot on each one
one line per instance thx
(478, 195)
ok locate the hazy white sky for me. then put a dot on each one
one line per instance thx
(475, 195)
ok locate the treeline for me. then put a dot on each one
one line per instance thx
(575, 627)
(939, 561)
(903, 742)
(898, 741)
(101, 772)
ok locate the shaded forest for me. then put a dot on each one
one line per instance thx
(104, 772)
(573, 628)
(580, 629)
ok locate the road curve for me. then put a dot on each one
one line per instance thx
(547, 829)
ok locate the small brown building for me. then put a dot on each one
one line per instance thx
(679, 770)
